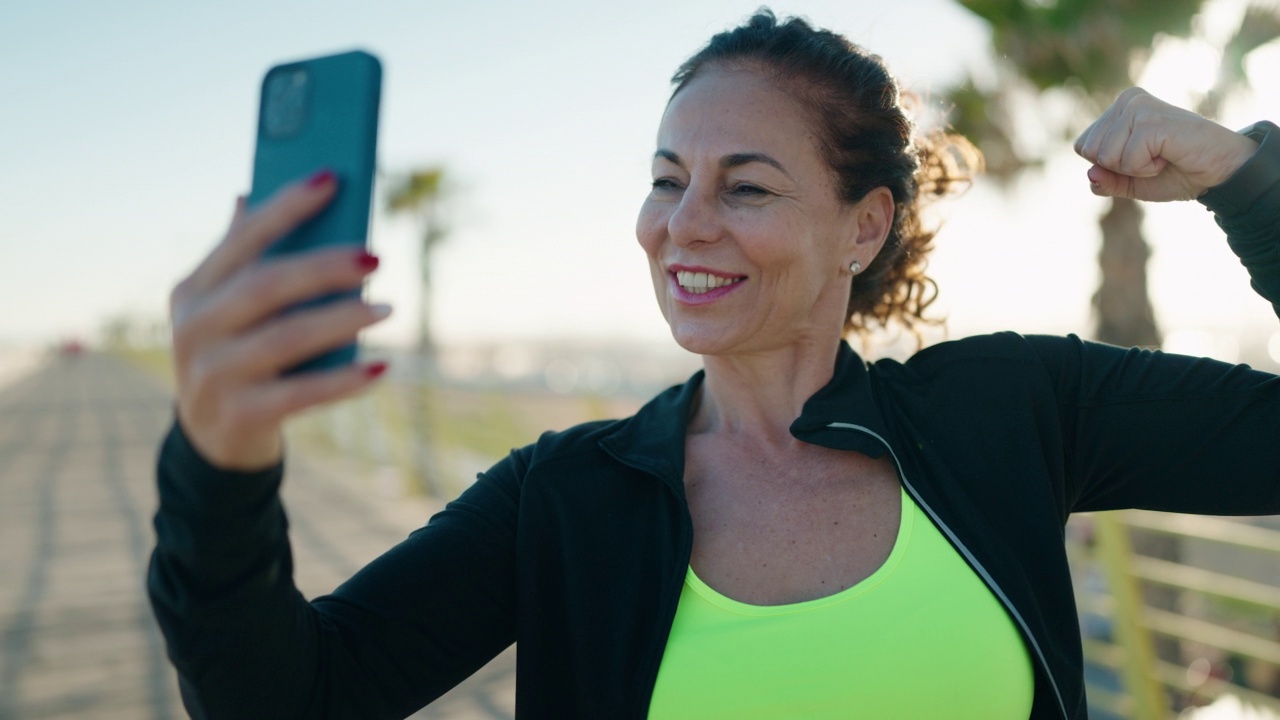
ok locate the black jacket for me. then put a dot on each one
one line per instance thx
(576, 546)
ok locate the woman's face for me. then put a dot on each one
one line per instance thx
(748, 245)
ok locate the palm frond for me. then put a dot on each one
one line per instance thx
(416, 189)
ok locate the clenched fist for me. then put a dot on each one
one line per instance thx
(1146, 149)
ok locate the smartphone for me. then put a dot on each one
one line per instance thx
(316, 114)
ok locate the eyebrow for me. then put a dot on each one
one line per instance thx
(730, 161)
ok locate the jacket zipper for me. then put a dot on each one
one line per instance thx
(973, 561)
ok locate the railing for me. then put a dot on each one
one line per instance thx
(1225, 619)
(434, 440)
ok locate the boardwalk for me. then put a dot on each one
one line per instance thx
(77, 491)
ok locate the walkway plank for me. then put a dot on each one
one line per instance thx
(77, 491)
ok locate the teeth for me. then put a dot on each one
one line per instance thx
(701, 282)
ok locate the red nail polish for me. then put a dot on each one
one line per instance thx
(324, 177)
(373, 370)
(367, 262)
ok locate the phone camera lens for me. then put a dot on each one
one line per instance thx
(285, 104)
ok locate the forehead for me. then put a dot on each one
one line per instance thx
(723, 111)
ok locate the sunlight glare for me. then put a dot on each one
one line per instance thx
(1273, 346)
(1181, 71)
(1202, 343)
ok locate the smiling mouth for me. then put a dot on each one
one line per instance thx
(698, 283)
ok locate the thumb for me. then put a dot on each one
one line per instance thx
(1104, 183)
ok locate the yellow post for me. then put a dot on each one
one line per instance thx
(1132, 636)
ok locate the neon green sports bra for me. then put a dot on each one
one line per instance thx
(921, 637)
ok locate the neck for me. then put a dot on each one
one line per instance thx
(756, 396)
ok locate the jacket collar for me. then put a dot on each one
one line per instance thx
(653, 439)
(849, 400)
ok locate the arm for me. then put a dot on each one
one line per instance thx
(1146, 429)
(1167, 432)
(402, 631)
(246, 644)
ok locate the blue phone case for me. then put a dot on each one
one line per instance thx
(316, 114)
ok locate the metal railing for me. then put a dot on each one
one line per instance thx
(1220, 637)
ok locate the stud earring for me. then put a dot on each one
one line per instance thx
(855, 267)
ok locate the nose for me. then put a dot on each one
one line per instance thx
(696, 218)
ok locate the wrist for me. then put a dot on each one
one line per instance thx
(1258, 171)
(245, 455)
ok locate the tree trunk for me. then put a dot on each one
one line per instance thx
(1125, 317)
(423, 385)
(1121, 305)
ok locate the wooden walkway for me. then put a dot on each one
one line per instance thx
(77, 491)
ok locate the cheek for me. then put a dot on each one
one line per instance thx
(651, 227)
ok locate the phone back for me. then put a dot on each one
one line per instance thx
(316, 114)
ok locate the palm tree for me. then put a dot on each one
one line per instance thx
(420, 193)
(1088, 51)
(1259, 26)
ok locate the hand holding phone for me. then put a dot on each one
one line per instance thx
(282, 288)
(321, 115)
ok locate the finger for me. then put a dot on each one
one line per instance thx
(1112, 145)
(1081, 140)
(265, 289)
(253, 229)
(245, 433)
(1116, 118)
(185, 292)
(281, 398)
(1095, 137)
(241, 208)
(1104, 183)
(1130, 143)
(1086, 145)
(1092, 139)
(290, 339)
(1130, 150)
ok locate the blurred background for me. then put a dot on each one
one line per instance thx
(515, 144)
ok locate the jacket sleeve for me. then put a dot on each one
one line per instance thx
(1247, 208)
(399, 633)
(1153, 430)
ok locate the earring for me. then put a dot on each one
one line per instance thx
(855, 267)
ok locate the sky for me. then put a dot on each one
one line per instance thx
(126, 131)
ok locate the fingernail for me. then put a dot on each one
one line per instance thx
(380, 310)
(374, 369)
(324, 177)
(367, 262)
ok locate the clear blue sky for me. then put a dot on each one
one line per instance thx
(126, 132)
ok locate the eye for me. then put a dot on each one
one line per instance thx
(665, 184)
(748, 190)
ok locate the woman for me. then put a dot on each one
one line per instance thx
(792, 532)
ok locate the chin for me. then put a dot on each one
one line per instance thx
(695, 346)
(694, 342)
(702, 340)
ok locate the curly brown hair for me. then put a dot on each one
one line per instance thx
(869, 140)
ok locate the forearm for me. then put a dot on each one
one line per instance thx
(403, 630)
(244, 641)
(1247, 207)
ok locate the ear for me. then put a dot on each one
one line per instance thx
(874, 217)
